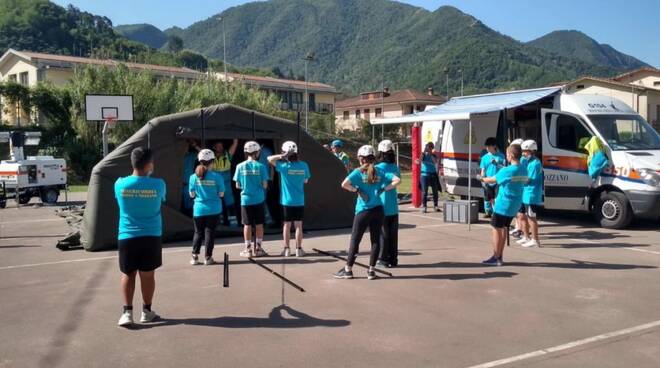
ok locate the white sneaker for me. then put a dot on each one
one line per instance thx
(247, 252)
(300, 252)
(126, 319)
(209, 261)
(523, 241)
(148, 316)
(286, 252)
(530, 243)
(513, 231)
(194, 260)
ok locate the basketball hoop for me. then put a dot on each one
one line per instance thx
(108, 109)
(111, 122)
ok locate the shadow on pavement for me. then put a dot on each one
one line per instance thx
(457, 276)
(574, 265)
(584, 235)
(594, 245)
(19, 246)
(286, 261)
(275, 319)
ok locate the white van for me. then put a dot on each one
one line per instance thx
(561, 123)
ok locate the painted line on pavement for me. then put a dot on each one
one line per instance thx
(30, 221)
(641, 250)
(569, 345)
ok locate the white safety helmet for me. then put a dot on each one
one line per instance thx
(251, 147)
(365, 151)
(385, 146)
(289, 146)
(206, 155)
(518, 141)
(529, 145)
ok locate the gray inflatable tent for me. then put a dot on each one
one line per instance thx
(326, 204)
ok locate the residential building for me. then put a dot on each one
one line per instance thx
(291, 92)
(381, 104)
(639, 88)
(29, 68)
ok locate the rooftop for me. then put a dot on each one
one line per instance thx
(281, 83)
(399, 96)
(635, 71)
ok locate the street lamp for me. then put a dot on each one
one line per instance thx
(309, 57)
(461, 70)
(224, 47)
(447, 82)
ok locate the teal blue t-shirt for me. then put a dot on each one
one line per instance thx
(359, 180)
(292, 182)
(207, 193)
(511, 181)
(428, 166)
(390, 198)
(250, 176)
(139, 199)
(597, 164)
(491, 163)
(533, 190)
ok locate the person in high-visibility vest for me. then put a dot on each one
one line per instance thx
(222, 164)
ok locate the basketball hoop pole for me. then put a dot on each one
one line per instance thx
(104, 135)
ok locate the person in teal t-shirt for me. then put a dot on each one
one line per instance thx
(337, 147)
(294, 174)
(139, 198)
(206, 188)
(389, 235)
(511, 181)
(429, 176)
(369, 182)
(532, 195)
(491, 162)
(189, 160)
(251, 178)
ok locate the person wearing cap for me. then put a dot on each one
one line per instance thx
(532, 195)
(140, 251)
(222, 164)
(251, 179)
(491, 162)
(206, 188)
(429, 176)
(294, 174)
(337, 147)
(389, 235)
(369, 182)
(511, 181)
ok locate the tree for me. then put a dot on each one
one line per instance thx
(192, 60)
(174, 44)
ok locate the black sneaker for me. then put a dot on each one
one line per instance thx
(343, 274)
(371, 275)
(492, 261)
(383, 264)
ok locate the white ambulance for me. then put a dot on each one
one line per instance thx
(560, 123)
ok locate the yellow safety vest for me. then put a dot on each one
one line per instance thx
(222, 163)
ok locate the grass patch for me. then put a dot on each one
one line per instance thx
(406, 182)
(77, 188)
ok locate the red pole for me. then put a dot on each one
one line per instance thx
(416, 138)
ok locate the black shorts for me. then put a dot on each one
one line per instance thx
(498, 221)
(143, 253)
(531, 210)
(522, 209)
(490, 192)
(253, 214)
(293, 213)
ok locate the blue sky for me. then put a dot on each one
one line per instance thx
(630, 26)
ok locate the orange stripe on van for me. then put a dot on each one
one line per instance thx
(8, 172)
(565, 162)
(460, 156)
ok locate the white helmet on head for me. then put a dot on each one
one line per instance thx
(385, 146)
(206, 155)
(529, 145)
(517, 141)
(365, 151)
(251, 147)
(289, 146)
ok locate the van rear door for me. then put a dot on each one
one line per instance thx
(564, 159)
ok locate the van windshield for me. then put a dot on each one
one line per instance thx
(626, 132)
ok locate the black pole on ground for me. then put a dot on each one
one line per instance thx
(225, 271)
(277, 275)
(356, 263)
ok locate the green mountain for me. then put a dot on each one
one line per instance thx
(145, 33)
(580, 46)
(360, 43)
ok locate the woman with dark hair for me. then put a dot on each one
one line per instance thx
(369, 182)
(206, 188)
(429, 176)
(389, 236)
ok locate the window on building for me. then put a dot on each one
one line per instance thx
(23, 77)
(297, 98)
(12, 78)
(379, 112)
(579, 86)
(346, 115)
(357, 114)
(656, 84)
(366, 113)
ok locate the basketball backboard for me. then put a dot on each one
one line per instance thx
(105, 107)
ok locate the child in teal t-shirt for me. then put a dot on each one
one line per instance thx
(389, 236)
(491, 162)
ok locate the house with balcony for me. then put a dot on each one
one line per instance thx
(382, 104)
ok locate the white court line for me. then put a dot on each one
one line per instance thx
(641, 250)
(99, 258)
(570, 345)
(29, 221)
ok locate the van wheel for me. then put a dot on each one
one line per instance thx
(613, 211)
(50, 196)
(3, 203)
(24, 198)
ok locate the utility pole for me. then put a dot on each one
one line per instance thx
(309, 57)
(382, 108)
(224, 48)
(447, 81)
(461, 70)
